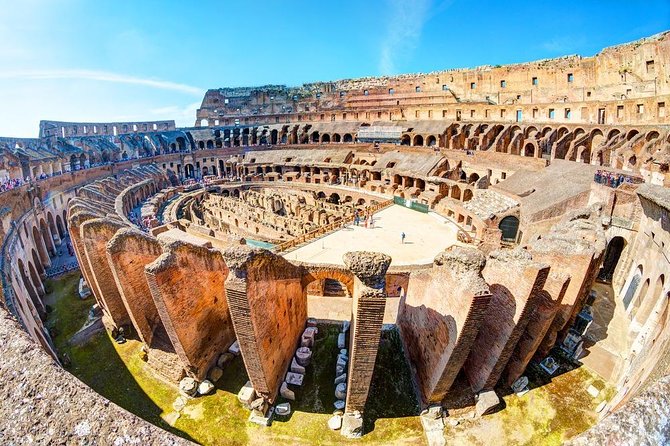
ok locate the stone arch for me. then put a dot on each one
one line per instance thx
(41, 248)
(347, 138)
(633, 286)
(315, 136)
(27, 284)
(530, 149)
(35, 279)
(509, 227)
(631, 134)
(648, 303)
(405, 140)
(611, 259)
(467, 195)
(418, 140)
(36, 260)
(325, 138)
(342, 276)
(431, 141)
(337, 137)
(455, 192)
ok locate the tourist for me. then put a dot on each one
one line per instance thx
(402, 238)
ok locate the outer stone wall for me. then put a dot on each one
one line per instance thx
(66, 411)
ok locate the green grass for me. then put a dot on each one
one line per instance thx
(118, 373)
(69, 312)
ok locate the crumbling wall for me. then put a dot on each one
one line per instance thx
(187, 286)
(441, 316)
(515, 282)
(268, 306)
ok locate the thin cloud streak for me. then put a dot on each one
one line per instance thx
(403, 31)
(102, 76)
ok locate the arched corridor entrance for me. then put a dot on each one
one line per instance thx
(612, 256)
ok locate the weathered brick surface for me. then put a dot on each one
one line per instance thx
(515, 283)
(548, 303)
(268, 305)
(193, 307)
(369, 270)
(94, 236)
(440, 318)
(128, 252)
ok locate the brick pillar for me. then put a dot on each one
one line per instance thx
(95, 234)
(369, 302)
(515, 282)
(548, 304)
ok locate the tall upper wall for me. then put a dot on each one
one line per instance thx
(628, 72)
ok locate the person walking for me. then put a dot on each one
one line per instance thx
(402, 238)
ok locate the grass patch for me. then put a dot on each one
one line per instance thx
(68, 312)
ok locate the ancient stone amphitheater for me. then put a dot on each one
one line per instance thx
(534, 209)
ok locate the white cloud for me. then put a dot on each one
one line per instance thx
(403, 31)
(103, 76)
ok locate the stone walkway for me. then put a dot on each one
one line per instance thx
(426, 236)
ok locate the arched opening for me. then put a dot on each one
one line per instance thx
(467, 195)
(41, 248)
(632, 286)
(404, 140)
(325, 138)
(210, 144)
(612, 256)
(37, 302)
(35, 279)
(321, 195)
(36, 260)
(648, 303)
(336, 137)
(348, 137)
(334, 198)
(273, 136)
(509, 227)
(431, 141)
(641, 296)
(529, 150)
(473, 178)
(456, 193)
(315, 136)
(418, 140)
(329, 298)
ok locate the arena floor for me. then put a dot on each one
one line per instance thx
(426, 236)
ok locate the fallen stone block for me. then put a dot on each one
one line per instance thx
(339, 404)
(339, 370)
(283, 409)
(296, 368)
(215, 374)
(303, 355)
(335, 422)
(188, 386)
(235, 348)
(341, 360)
(264, 419)
(205, 388)
(352, 425)
(179, 403)
(246, 395)
(341, 391)
(294, 379)
(285, 392)
(341, 379)
(311, 322)
(487, 402)
(341, 340)
(345, 326)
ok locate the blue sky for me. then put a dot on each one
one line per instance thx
(76, 60)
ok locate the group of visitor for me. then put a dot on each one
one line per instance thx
(10, 183)
(367, 220)
(612, 179)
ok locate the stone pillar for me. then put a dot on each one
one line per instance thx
(268, 308)
(369, 301)
(540, 321)
(95, 234)
(515, 282)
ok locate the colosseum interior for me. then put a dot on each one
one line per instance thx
(415, 259)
